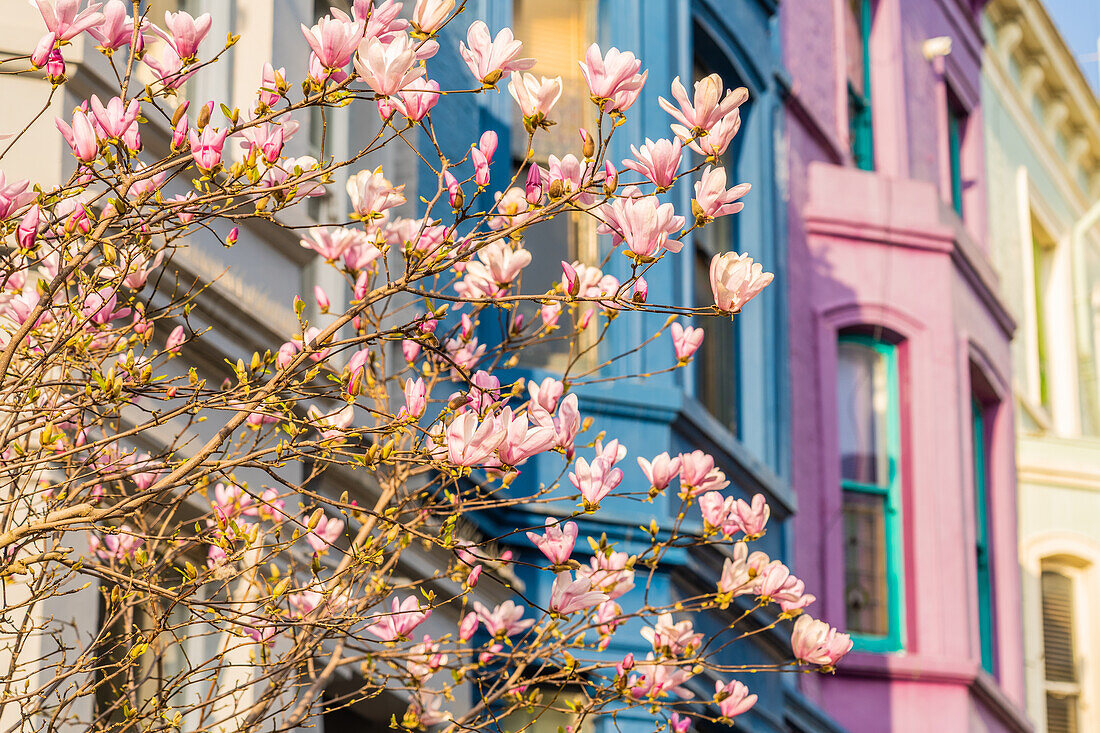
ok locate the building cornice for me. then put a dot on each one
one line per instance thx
(1024, 33)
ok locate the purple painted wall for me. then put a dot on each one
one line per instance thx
(885, 249)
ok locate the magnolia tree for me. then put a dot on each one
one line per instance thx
(194, 504)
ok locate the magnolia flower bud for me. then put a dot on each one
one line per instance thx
(204, 115)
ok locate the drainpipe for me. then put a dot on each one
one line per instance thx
(1082, 316)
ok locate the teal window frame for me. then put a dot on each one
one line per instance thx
(956, 121)
(860, 120)
(984, 575)
(893, 640)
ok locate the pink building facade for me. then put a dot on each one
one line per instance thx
(902, 442)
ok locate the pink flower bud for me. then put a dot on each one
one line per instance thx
(488, 144)
(27, 231)
(453, 189)
(179, 133)
(475, 575)
(175, 340)
(286, 354)
(641, 290)
(550, 313)
(231, 238)
(569, 279)
(410, 349)
(55, 67)
(468, 627)
(533, 187)
(322, 298)
(467, 326)
(481, 168)
(428, 325)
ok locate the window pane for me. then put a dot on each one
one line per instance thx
(1042, 254)
(550, 243)
(557, 34)
(716, 361)
(862, 403)
(866, 595)
(1059, 658)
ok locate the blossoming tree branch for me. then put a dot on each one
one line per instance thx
(192, 498)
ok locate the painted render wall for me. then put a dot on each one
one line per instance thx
(885, 249)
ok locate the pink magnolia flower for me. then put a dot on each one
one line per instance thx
(610, 572)
(716, 512)
(496, 267)
(546, 394)
(686, 341)
(388, 67)
(557, 542)
(331, 242)
(657, 161)
(382, 19)
(398, 625)
(167, 67)
(334, 39)
(524, 440)
(504, 620)
(430, 15)
(536, 96)
(304, 602)
(567, 596)
(567, 423)
(657, 679)
(614, 78)
(371, 194)
(101, 307)
(735, 280)
(707, 111)
(679, 723)
(712, 199)
(179, 132)
(645, 224)
(470, 443)
(751, 519)
(733, 698)
(415, 398)
(81, 136)
(698, 473)
(117, 28)
(115, 119)
(533, 186)
(272, 85)
(490, 58)
(669, 637)
(327, 531)
(775, 583)
(185, 32)
(66, 19)
(116, 546)
(640, 290)
(410, 349)
(13, 196)
(741, 572)
(206, 147)
(598, 479)
(332, 425)
(661, 471)
(417, 98)
(816, 642)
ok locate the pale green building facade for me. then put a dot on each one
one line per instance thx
(1042, 142)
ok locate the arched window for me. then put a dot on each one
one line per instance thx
(869, 440)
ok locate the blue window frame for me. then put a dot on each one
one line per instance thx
(869, 440)
(981, 538)
(956, 130)
(858, 50)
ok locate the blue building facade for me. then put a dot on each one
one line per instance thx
(734, 402)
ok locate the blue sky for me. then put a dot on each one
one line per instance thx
(1079, 22)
